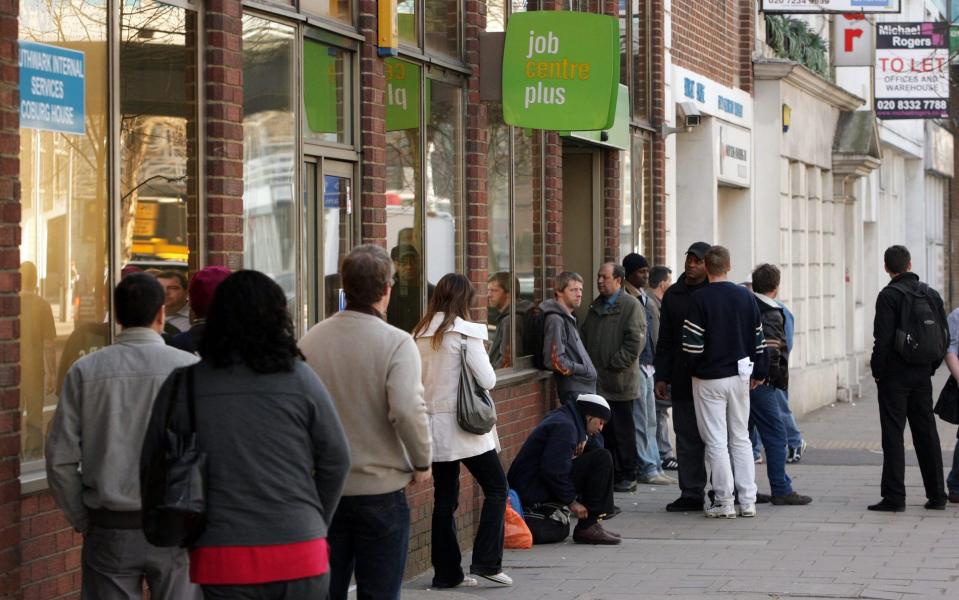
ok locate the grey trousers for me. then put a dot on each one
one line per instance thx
(662, 432)
(117, 561)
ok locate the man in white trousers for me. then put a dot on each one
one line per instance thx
(726, 351)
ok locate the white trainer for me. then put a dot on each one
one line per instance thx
(746, 510)
(720, 511)
(500, 578)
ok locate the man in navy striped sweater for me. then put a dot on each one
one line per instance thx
(726, 351)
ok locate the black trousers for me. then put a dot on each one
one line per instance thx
(901, 400)
(314, 588)
(620, 437)
(690, 450)
(592, 476)
(488, 545)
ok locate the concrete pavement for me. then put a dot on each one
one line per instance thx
(833, 548)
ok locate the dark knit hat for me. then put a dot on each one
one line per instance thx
(699, 250)
(202, 287)
(633, 262)
(592, 405)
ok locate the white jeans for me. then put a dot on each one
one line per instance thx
(722, 414)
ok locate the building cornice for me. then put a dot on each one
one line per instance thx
(802, 78)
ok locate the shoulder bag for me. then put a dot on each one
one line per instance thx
(174, 511)
(947, 407)
(475, 411)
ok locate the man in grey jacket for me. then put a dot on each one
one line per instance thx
(563, 350)
(614, 334)
(93, 451)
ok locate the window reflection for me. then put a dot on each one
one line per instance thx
(444, 143)
(157, 129)
(627, 242)
(326, 94)
(269, 151)
(64, 222)
(523, 235)
(339, 10)
(442, 27)
(407, 21)
(403, 195)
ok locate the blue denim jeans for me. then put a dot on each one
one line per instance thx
(765, 413)
(952, 481)
(369, 537)
(644, 420)
(756, 441)
(793, 435)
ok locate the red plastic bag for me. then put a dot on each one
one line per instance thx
(518, 536)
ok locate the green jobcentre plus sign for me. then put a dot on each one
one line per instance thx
(560, 70)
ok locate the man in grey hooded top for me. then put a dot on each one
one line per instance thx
(563, 350)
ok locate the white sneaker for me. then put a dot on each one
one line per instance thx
(746, 510)
(468, 582)
(720, 511)
(500, 578)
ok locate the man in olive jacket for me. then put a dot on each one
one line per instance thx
(614, 334)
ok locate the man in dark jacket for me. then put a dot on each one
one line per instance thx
(556, 465)
(563, 350)
(202, 287)
(614, 334)
(905, 388)
(765, 404)
(671, 370)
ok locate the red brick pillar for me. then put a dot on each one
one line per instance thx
(9, 304)
(477, 153)
(224, 128)
(611, 205)
(373, 134)
(658, 77)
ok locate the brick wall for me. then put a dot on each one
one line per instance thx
(373, 135)
(50, 551)
(224, 128)
(9, 304)
(706, 39)
(611, 205)
(657, 170)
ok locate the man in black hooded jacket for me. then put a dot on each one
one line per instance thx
(672, 370)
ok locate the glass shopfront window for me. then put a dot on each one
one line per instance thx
(67, 175)
(419, 159)
(627, 212)
(327, 93)
(338, 10)
(634, 39)
(431, 26)
(158, 116)
(269, 151)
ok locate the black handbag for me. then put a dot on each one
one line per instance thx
(947, 407)
(475, 411)
(174, 508)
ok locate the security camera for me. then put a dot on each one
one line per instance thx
(690, 113)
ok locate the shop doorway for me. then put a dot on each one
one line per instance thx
(582, 218)
(328, 194)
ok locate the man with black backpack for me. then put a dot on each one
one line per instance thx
(910, 340)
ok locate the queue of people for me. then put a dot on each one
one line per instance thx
(359, 410)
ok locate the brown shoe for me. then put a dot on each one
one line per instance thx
(595, 534)
(954, 497)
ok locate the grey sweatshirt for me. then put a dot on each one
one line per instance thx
(93, 448)
(374, 374)
(563, 351)
(276, 453)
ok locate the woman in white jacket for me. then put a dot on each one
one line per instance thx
(439, 336)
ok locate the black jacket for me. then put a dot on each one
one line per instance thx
(885, 360)
(564, 352)
(670, 360)
(774, 329)
(541, 470)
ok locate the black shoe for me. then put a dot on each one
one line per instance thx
(935, 505)
(626, 485)
(763, 498)
(792, 499)
(685, 504)
(887, 506)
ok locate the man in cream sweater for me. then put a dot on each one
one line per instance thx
(373, 372)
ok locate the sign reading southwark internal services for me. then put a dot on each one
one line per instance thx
(560, 70)
(831, 6)
(912, 70)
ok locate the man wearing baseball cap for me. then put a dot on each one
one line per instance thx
(672, 370)
(563, 461)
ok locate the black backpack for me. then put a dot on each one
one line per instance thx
(922, 336)
(534, 336)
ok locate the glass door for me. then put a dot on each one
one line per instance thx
(328, 193)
